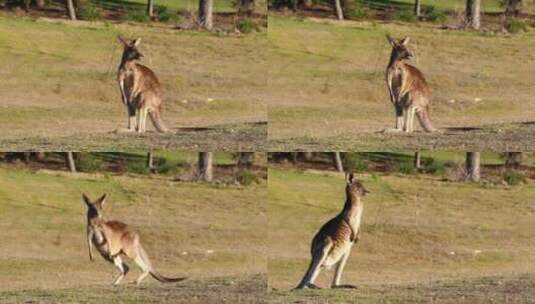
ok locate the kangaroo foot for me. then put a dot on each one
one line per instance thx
(392, 130)
(344, 286)
(312, 286)
(125, 130)
(306, 286)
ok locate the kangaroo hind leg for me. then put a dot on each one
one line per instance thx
(144, 113)
(411, 113)
(338, 273)
(143, 264)
(123, 268)
(319, 255)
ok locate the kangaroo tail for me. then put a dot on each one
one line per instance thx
(157, 121)
(153, 272)
(425, 122)
(163, 279)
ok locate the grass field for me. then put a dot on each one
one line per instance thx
(328, 90)
(188, 229)
(488, 6)
(220, 6)
(59, 88)
(424, 239)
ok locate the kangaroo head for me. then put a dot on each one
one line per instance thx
(354, 187)
(94, 209)
(130, 50)
(399, 48)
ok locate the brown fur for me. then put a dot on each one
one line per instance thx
(332, 244)
(409, 91)
(141, 90)
(113, 239)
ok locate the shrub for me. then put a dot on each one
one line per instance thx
(88, 11)
(357, 13)
(137, 167)
(435, 168)
(515, 26)
(407, 168)
(353, 162)
(165, 15)
(137, 15)
(246, 177)
(513, 178)
(247, 25)
(88, 163)
(406, 16)
(433, 15)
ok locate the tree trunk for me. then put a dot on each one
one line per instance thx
(246, 7)
(513, 159)
(473, 14)
(39, 156)
(417, 8)
(308, 156)
(338, 162)
(472, 166)
(245, 159)
(150, 8)
(205, 166)
(70, 161)
(150, 161)
(205, 14)
(27, 157)
(339, 11)
(70, 8)
(40, 4)
(513, 7)
(417, 160)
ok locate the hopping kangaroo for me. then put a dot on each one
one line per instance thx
(141, 91)
(409, 92)
(333, 242)
(112, 239)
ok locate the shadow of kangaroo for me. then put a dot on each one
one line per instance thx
(334, 241)
(113, 239)
(141, 91)
(409, 92)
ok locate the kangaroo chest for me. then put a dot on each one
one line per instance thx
(353, 220)
(100, 241)
(396, 79)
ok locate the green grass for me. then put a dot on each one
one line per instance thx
(187, 229)
(182, 5)
(328, 83)
(208, 80)
(421, 237)
(220, 6)
(490, 6)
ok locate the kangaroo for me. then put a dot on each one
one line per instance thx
(333, 242)
(409, 92)
(141, 91)
(113, 239)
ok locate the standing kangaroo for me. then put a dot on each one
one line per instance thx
(333, 242)
(112, 238)
(141, 91)
(409, 92)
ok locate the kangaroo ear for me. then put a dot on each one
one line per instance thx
(391, 40)
(405, 40)
(349, 177)
(122, 40)
(136, 42)
(101, 200)
(86, 199)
